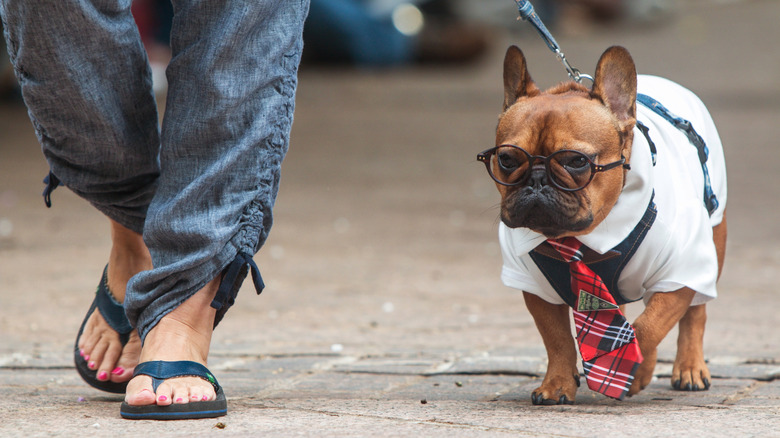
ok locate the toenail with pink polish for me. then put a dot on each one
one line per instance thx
(205, 397)
(117, 371)
(179, 400)
(162, 398)
(92, 365)
(102, 375)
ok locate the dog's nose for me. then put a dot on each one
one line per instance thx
(538, 177)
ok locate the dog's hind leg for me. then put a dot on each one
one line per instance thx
(562, 378)
(690, 372)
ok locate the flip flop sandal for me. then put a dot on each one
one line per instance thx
(114, 314)
(160, 371)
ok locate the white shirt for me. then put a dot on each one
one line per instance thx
(678, 249)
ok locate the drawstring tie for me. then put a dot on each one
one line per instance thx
(52, 182)
(234, 276)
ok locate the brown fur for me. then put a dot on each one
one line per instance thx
(599, 121)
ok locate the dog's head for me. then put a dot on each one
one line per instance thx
(559, 157)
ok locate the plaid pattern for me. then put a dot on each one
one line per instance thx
(610, 353)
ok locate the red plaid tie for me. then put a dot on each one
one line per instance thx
(608, 346)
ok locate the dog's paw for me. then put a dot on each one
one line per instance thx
(551, 393)
(644, 375)
(690, 374)
(538, 399)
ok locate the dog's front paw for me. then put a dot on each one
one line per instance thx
(556, 391)
(690, 373)
(644, 375)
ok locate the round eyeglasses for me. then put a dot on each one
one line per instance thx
(567, 169)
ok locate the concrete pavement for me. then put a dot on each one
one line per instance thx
(384, 314)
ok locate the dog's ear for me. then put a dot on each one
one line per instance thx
(615, 84)
(517, 81)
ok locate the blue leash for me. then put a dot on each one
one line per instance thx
(528, 14)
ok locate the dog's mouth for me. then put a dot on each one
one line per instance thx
(546, 211)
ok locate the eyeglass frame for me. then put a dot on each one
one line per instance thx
(485, 156)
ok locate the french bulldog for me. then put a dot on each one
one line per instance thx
(566, 163)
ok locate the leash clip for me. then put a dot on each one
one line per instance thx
(574, 73)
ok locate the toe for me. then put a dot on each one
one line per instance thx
(99, 353)
(92, 333)
(108, 363)
(86, 341)
(695, 380)
(197, 389)
(181, 395)
(686, 382)
(207, 392)
(176, 390)
(139, 391)
(196, 393)
(124, 366)
(120, 374)
(164, 394)
(87, 346)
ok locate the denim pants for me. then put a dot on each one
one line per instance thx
(201, 186)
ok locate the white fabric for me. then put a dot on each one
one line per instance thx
(678, 249)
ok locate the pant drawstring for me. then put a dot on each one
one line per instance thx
(52, 182)
(231, 282)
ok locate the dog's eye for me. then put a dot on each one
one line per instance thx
(577, 162)
(508, 162)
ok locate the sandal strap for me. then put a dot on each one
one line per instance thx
(112, 310)
(160, 370)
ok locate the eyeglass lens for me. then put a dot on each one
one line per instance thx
(568, 170)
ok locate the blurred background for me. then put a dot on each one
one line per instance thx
(385, 226)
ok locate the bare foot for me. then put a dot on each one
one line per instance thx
(182, 334)
(99, 344)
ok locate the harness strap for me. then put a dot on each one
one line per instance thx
(710, 200)
(646, 132)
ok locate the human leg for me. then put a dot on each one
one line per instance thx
(99, 344)
(183, 334)
(231, 89)
(85, 80)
